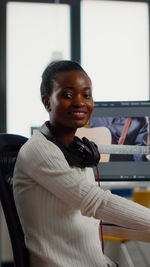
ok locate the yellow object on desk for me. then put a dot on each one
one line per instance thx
(142, 197)
(114, 239)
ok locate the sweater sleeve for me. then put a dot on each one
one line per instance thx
(117, 210)
(45, 164)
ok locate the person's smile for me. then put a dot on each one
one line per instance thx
(78, 114)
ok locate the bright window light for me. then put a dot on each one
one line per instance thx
(36, 35)
(115, 49)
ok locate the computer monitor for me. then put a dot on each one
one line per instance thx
(129, 158)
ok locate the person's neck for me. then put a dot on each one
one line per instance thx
(64, 135)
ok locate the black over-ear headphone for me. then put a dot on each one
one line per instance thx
(81, 153)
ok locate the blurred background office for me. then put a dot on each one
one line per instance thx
(109, 38)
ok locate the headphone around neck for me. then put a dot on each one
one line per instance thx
(81, 153)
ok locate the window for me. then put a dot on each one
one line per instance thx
(115, 49)
(35, 36)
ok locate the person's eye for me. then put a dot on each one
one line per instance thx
(88, 95)
(67, 95)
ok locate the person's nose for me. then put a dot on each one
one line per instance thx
(79, 101)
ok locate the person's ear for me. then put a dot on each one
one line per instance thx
(46, 102)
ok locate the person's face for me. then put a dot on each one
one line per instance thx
(71, 102)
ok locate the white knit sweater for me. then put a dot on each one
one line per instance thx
(60, 207)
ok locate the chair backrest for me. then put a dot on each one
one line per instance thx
(9, 147)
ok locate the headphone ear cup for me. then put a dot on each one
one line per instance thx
(94, 150)
(88, 151)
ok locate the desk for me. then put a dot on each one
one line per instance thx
(112, 230)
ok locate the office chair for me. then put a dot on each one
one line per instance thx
(9, 147)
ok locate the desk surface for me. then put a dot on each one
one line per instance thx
(125, 233)
(124, 184)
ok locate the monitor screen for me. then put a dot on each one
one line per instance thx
(127, 151)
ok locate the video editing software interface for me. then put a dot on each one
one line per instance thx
(129, 148)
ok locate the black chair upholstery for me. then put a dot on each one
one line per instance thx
(9, 147)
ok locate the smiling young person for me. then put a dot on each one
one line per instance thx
(69, 102)
(58, 201)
